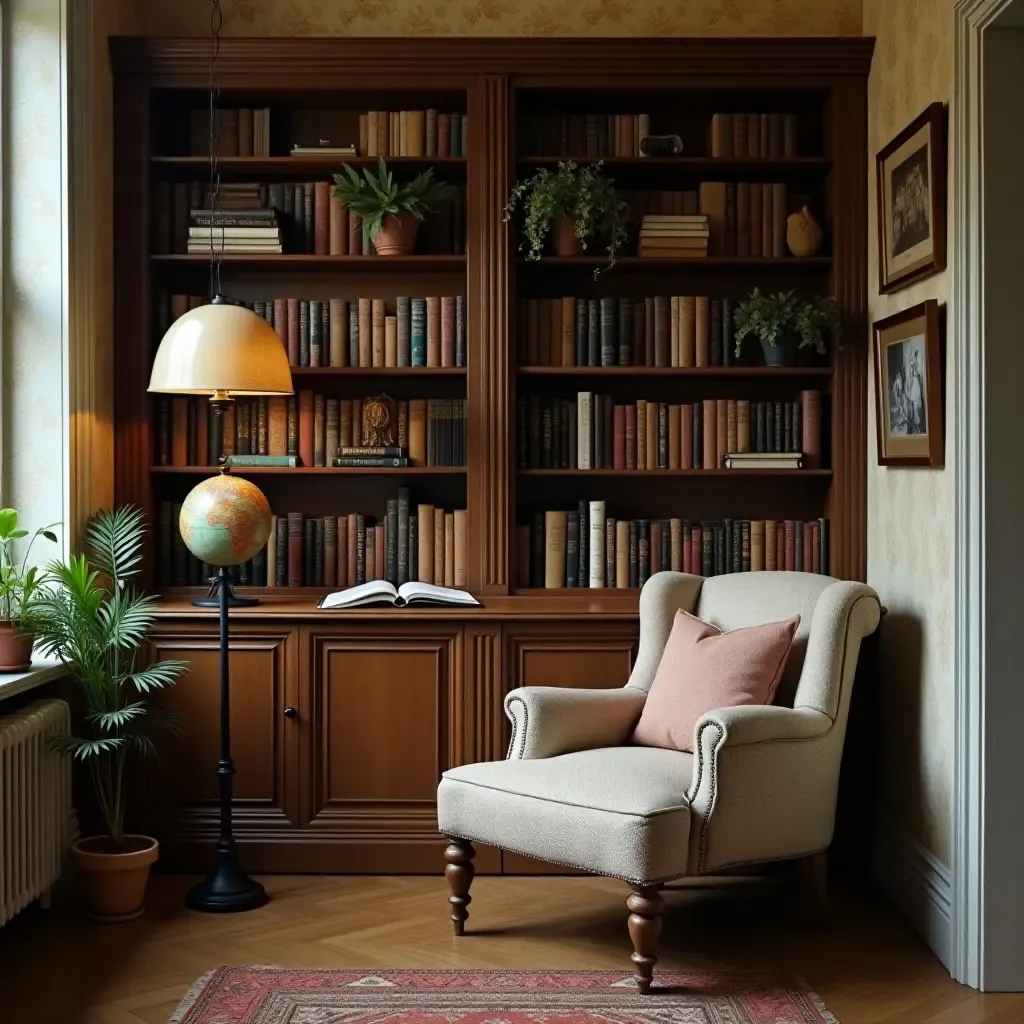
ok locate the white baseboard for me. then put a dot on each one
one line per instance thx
(919, 884)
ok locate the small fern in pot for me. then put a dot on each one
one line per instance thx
(574, 205)
(785, 323)
(391, 212)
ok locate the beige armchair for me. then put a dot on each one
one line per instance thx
(761, 784)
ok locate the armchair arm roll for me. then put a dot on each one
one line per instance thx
(764, 785)
(552, 720)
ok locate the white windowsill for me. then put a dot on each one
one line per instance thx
(41, 672)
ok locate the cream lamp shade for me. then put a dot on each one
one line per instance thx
(221, 349)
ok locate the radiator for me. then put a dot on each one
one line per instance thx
(36, 819)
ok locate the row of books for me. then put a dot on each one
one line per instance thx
(307, 429)
(413, 133)
(591, 432)
(659, 330)
(308, 217)
(587, 548)
(753, 136)
(411, 542)
(587, 135)
(241, 131)
(674, 235)
(254, 231)
(368, 332)
(745, 218)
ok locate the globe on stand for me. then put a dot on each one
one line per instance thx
(224, 521)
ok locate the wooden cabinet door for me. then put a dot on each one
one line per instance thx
(383, 703)
(584, 654)
(264, 747)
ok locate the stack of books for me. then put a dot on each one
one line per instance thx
(234, 231)
(763, 460)
(679, 236)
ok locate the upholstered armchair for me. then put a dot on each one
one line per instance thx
(760, 785)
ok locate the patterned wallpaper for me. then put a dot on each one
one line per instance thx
(510, 17)
(910, 511)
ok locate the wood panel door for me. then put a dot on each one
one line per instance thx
(183, 788)
(596, 655)
(381, 708)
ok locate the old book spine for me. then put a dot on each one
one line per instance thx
(662, 331)
(306, 428)
(643, 551)
(654, 546)
(433, 331)
(370, 553)
(378, 313)
(711, 200)
(337, 345)
(319, 431)
(309, 553)
(790, 545)
(337, 236)
(812, 546)
(418, 332)
(742, 426)
(810, 423)
(292, 436)
(352, 544)
(460, 578)
(321, 218)
(661, 411)
(709, 455)
(277, 425)
(778, 247)
(721, 432)
(357, 422)
(702, 331)
(698, 435)
(425, 536)
(355, 234)
(296, 531)
(390, 341)
(555, 528)
(461, 331)
(584, 435)
(641, 434)
(278, 567)
(798, 546)
(731, 427)
(687, 330)
(309, 216)
(721, 135)
(618, 554)
(625, 330)
(316, 339)
(366, 332)
(448, 330)
(630, 417)
(582, 325)
(572, 549)
(583, 546)
(448, 545)
(778, 428)
(686, 436)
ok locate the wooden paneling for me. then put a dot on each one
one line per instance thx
(579, 654)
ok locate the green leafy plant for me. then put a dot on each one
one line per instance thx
(584, 194)
(18, 581)
(375, 196)
(771, 317)
(87, 614)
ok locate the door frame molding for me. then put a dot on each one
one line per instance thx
(973, 756)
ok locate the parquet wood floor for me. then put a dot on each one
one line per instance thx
(58, 968)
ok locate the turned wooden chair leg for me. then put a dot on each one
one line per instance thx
(645, 907)
(814, 888)
(459, 871)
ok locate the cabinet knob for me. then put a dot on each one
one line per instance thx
(291, 713)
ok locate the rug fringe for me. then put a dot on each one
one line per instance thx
(190, 997)
(819, 1004)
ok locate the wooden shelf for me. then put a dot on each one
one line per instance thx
(300, 166)
(312, 470)
(307, 261)
(634, 473)
(777, 372)
(631, 264)
(697, 163)
(379, 371)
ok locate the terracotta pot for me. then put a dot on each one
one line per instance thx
(114, 884)
(15, 647)
(564, 237)
(397, 235)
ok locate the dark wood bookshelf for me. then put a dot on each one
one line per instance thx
(663, 473)
(308, 261)
(399, 372)
(297, 166)
(702, 264)
(709, 164)
(698, 372)
(311, 470)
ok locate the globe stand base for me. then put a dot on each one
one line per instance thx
(212, 599)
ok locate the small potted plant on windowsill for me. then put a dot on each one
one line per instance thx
(785, 323)
(574, 205)
(87, 614)
(391, 213)
(18, 584)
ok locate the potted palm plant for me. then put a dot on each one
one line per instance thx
(574, 205)
(89, 615)
(391, 213)
(785, 323)
(18, 584)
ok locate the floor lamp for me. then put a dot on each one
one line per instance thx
(223, 351)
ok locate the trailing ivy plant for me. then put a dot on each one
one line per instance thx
(375, 196)
(584, 194)
(770, 317)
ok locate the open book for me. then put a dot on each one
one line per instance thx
(383, 592)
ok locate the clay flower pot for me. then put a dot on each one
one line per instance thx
(113, 885)
(15, 647)
(397, 235)
(564, 237)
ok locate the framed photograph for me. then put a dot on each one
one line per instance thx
(908, 387)
(912, 202)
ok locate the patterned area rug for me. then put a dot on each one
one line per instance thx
(270, 995)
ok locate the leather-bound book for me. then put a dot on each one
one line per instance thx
(630, 417)
(753, 135)
(743, 233)
(810, 422)
(366, 332)
(279, 567)
(634, 553)
(697, 436)
(296, 531)
(687, 331)
(355, 234)
(341, 552)
(665, 562)
(353, 548)
(707, 551)
(742, 426)
(179, 430)
(731, 425)
(788, 442)
(641, 434)
(662, 331)
(319, 431)
(778, 247)
(567, 331)
(661, 410)
(378, 311)
(418, 431)
(593, 333)
(321, 218)
(709, 455)
(583, 544)
(643, 558)
(360, 548)
(686, 555)
(345, 423)
(390, 341)
(448, 330)
(625, 331)
(609, 323)
(228, 430)
(309, 553)
(655, 546)
(277, 425)
(736, 547)
(433, 330)
(337, 342)
(332, 432)
(460, 548)
(620, 577)
(448, 547)
(760, 427)
(757, 545)
(425, 535)
(619, 459)
(555, 530)
(308, 215)
(380, 544)
(572, 550)
(721, 135)
(337, 237)
(369, 557)
(306, 428)
(582, 327)
(675, 545)
(778, 428)
(697, 549)
(790, 546)
(702, 331)
(674, 437)
(403, 327)
(686, 444)
(418, 332)
(319, 552)
(391, 546)
(721, 431)
(812, 543)
(756, 218)
(353, 333)
(711, 202)
(798, 546)
(780, 546)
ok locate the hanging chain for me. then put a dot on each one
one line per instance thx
(216, 22)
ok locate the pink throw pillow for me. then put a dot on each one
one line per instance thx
(703, 668)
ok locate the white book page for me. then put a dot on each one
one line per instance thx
(374, 592)
(413, 592)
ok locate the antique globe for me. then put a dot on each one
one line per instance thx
(225, 520)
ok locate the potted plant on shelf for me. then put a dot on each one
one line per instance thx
(575, 205)
(18, 584)
(391, 213)
(88, 615)
(785, 323)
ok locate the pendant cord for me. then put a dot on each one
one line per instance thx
(216, 22)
